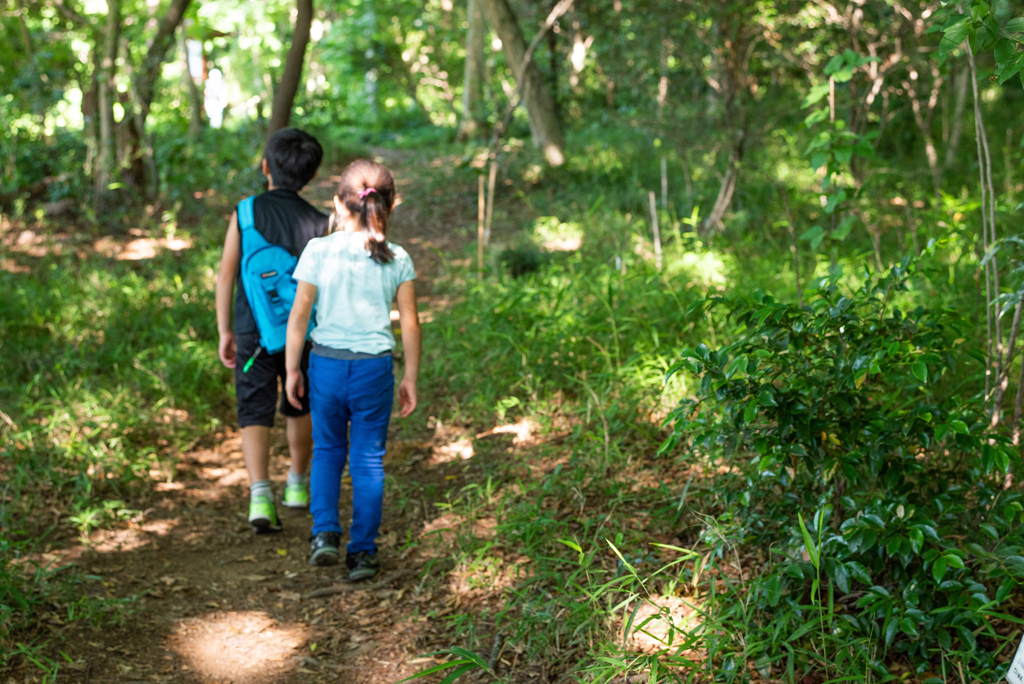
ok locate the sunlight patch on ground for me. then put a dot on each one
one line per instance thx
(238, 646)
(664, 623)
(522, 430)
(707, 268)
(446, 453)
(140, 248)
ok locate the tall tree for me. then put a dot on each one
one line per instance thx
(732, 52)
(107, 91)
(284, 94)
(545, 128)
(473, 118)
(195, 101)
(148, 74)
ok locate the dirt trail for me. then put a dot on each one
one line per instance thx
(218, 604)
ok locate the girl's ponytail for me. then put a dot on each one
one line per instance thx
(374, 220)
(367, 190)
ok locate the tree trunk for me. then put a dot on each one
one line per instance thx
(284, 96)
(195, 101)
(728, 187)
(540, 105)
(733, 50)
(956, 130)
(149, 73)
(107, 92)
(90, 111)
(473, 119)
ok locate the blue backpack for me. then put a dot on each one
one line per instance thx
(269, 286)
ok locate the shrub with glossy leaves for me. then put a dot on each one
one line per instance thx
(846, 410)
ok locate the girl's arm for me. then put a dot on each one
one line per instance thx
(410, 322)
(298, 324)
(229, 261)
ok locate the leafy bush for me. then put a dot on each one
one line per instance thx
(846, 413)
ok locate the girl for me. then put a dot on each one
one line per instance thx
(353, 275)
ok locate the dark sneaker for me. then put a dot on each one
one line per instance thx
(323, 549)
(263, 515)
(362, 565)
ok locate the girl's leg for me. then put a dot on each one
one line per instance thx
(371, 395)
(328, 386)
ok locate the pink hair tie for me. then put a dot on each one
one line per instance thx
(367, 191)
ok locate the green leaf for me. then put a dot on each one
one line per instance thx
(572, 545)
(939, 568)
(1004, 51)
(843, 229)
(812, 550)
(813, 235)
(1008, 69)
(816, 94)
(944, 639)
(953, 36)
(954, 560)
(773, 590)
(966, 637)
(469, 655)
(834, 65)
(959, 427)
(766, 398)
(455, 674)
(858, 572)
(979, 9)
(920, 370)
(1015, 28)
(436, 668)
(916, 539)
(841, 578)
(750, 411)
(844, 74)
(891, 628)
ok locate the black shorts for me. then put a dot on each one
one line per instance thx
(257, 389)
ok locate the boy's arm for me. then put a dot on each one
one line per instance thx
(229, 261)
(411, 346)
(298, 324)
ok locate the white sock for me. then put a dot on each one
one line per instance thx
(261, 488)
(295, 478)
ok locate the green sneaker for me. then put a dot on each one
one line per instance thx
(263, 515)
(296, 496)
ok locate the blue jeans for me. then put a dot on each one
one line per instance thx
(343, 394)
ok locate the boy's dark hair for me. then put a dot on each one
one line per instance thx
(293, 157)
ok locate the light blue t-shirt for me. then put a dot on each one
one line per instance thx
(354, 293)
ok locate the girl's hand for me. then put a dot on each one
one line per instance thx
(294, 388)
(407, 397)
(226, 349)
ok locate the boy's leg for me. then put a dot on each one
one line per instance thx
(300, 443)
(256, 452)
(256, 391)
(372, 391)
(300, 439)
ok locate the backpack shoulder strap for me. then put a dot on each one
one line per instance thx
(247, 226)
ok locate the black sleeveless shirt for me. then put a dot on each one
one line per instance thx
(282, 218)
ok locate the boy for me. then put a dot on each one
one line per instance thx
(283, 218)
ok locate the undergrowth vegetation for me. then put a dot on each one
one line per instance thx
(727, 486)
